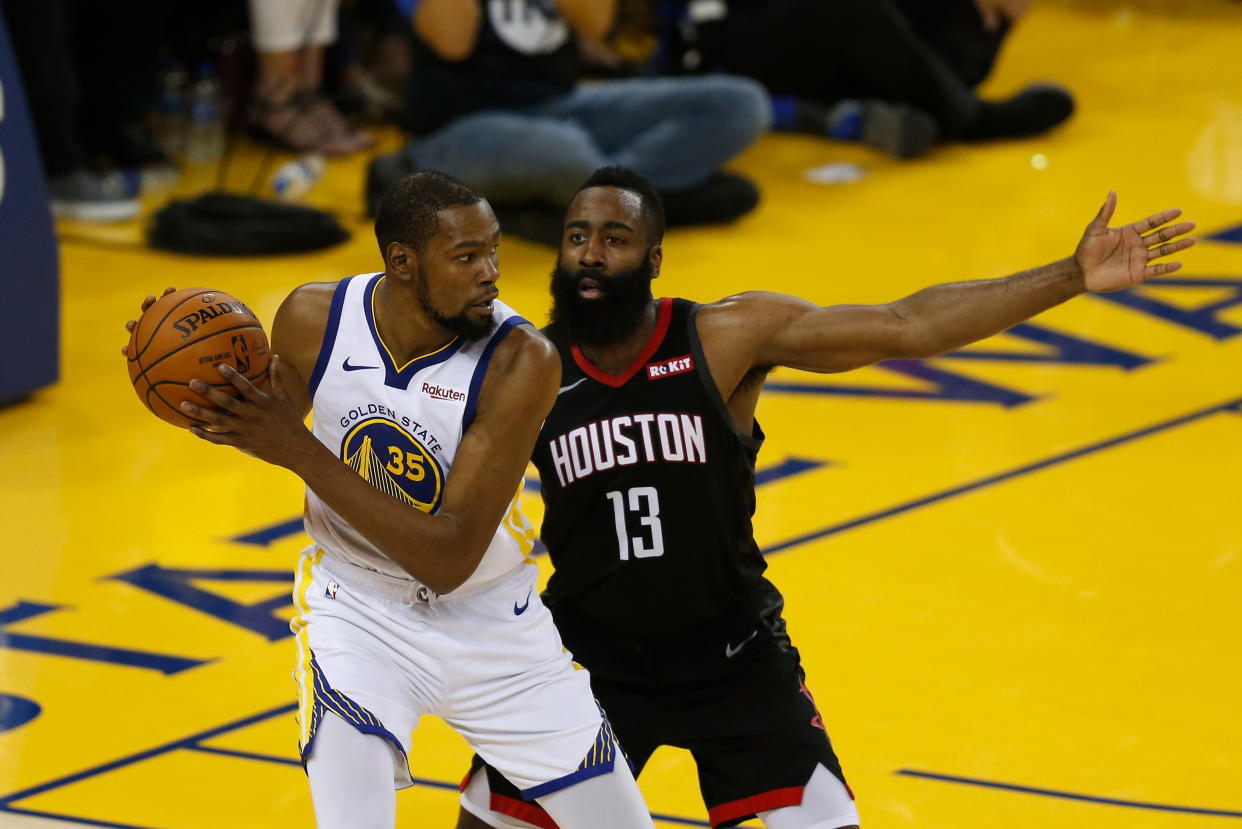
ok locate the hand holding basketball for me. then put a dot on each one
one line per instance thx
(183, 336)
(264, 424)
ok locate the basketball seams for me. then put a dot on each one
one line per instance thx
(158, 325)
(143, 371)
(215, 336)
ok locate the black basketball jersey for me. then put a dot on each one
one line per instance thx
(649, 488)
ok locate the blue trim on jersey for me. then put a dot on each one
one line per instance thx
(476, 381)
(599, 760)
(327, 699)
(399, 378)
(329, 335)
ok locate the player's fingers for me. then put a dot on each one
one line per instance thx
(1155, 220)
(218, 438)
(218, 397)
(129, 325)
(240, 383)
(1161, 269)
(213, 417)
(273, 373)
(1171, 247)
(1167, 232)
(1102, 218)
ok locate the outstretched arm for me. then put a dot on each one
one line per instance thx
(761, 329)
(440, 550)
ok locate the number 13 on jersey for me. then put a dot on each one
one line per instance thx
(643, 502)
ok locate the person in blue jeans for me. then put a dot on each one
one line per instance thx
(495, 100)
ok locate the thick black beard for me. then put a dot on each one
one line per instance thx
(611, 317)
(460, 325)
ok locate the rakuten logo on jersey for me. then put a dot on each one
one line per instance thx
(625, 441)
(441, 393)
(677, 365)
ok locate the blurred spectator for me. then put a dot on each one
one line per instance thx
(40, 31)
(495, 100)
(288, 108)
(843, 63)
(369, 65)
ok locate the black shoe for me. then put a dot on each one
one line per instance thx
(537, 223)
(723, 197)
(1035, 110)
(383, 172)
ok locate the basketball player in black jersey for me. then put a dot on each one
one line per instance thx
(647, 464)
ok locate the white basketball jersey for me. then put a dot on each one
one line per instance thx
(399, 426)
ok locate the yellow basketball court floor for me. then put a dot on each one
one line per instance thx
(1013, 571)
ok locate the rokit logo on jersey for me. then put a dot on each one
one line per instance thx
(394, 461)
(677, 365)
(625, 441)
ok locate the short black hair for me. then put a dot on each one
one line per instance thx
(408, 213)
(623, 178)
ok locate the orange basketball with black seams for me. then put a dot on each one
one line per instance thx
(184, 336)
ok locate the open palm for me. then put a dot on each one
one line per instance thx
(1113, 258)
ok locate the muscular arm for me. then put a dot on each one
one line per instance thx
(440, 550)
(753, 330)
(297, 336)
(449, 27)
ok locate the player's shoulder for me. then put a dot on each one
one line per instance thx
(752, 308)
(308, 301)
(528, 348)
(302, 319)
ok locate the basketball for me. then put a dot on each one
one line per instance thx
(184, 336)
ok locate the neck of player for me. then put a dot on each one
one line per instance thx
(404, 327)
(615, 358)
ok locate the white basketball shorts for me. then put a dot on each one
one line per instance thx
(380, 652)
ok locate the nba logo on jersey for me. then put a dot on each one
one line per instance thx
(330, 590)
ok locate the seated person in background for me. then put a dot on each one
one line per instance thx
(496, 101)
(288, 108)
(896, 74)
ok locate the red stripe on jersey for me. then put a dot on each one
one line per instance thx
(521, 810)
(618, 380)
(753, 805)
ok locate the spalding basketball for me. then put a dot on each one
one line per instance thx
(184, 336)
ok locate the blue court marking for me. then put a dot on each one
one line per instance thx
(1231, 235)
(1004, 476)
(71, 819)
(192, 743)
(266, 535)
(1085, 798)
(186, 742)
(247, 755)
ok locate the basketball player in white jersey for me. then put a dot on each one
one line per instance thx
(417, 596)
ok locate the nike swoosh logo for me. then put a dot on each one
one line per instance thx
(732, 650)
(564, 389)
(345, 365)
(518, 611)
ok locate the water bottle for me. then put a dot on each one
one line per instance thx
(205, 140)
(294, 179)
(171, 123)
